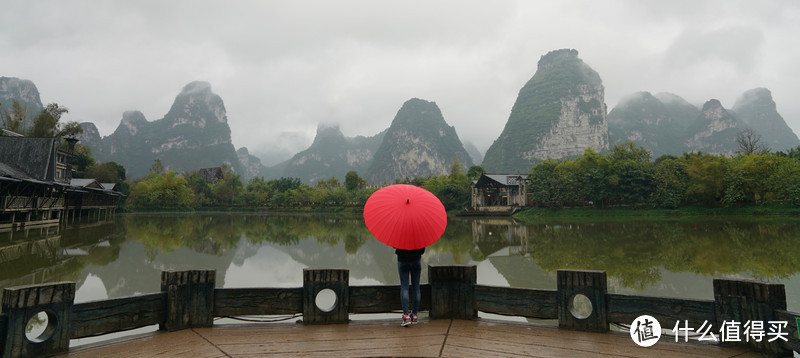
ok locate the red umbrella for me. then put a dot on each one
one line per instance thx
(405, 216)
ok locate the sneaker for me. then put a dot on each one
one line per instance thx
(413, 319)
(406, 320)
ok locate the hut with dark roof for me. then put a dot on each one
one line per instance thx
(499, 194)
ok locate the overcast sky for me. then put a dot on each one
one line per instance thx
(283, 67)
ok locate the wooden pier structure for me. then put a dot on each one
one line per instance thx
(189, 302)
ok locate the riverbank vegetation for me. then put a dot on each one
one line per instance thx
(169, 190)
(621, 182)
(627, 177)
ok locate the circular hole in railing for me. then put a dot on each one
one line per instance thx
(41, 326)
(326, 300)
(580, 306)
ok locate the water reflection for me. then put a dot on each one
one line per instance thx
(124, 256)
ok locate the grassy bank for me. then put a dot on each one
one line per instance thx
(760, 212)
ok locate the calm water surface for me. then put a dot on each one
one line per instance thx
(125, 256)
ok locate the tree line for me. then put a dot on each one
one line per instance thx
(623, 176)
(627, 176)
(161, 188)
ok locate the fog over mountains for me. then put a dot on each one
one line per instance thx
(558, 113)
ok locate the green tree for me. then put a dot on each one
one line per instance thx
(14, 120)
(474, 172)
(48, 123)
(670, 182)
(257, 192)
(543, 184)
(108, 172)
(82, 160)
(229, 190)
(352, 181)
(706, 174)
(157, 167)
(199, 187)
(162, 190)
(330, 184)
(455, 169)
(591, 177)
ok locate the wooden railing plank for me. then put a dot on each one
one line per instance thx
(117, 314)
(257, 301)
(625, 309)
(384, 299)
(530, 303)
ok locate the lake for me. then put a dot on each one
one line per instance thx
(665, 257)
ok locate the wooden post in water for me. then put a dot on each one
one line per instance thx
(453, 291)
(190, 299)
(751, 301)
(573, 284)
(314, 282)
(20, 304)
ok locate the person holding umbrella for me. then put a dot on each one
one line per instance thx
(407, 218)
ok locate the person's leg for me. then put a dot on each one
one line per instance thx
(416, 271)
(403, 269)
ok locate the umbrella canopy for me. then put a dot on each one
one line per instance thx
(405, 216)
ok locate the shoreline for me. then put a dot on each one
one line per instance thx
(759, 212)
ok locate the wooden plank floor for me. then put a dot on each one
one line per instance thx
(430, 338)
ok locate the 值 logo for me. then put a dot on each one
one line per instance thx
(645, 331)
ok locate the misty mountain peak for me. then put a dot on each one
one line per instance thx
(131, 122)
(555, 58)
(418, 111)
(325, 131)
(758, 110)
(198, 106)
(19, 89)
(760, 97)
(90, 136)
(558, 113)
(24, 91)
(418, 144)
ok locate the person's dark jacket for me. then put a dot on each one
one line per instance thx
(409, 255)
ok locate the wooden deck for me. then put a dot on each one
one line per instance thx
(430, 338)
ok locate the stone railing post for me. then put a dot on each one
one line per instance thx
(189, 299)
(317, 284)
(743, 301)
(453, 291)
(20, 304)
(576, 286)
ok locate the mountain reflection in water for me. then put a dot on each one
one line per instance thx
(125, 256)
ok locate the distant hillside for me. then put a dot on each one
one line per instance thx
(419, 143)
(332, 155)
(758, 111)
(667, 124)
(656, 124)
(559, 113)
(25, 92)
(194, 134)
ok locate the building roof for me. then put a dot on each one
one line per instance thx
(87, 183)
(495, 180)
(32, 156)
(10, 171)
(10, 133)
(108, 186)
